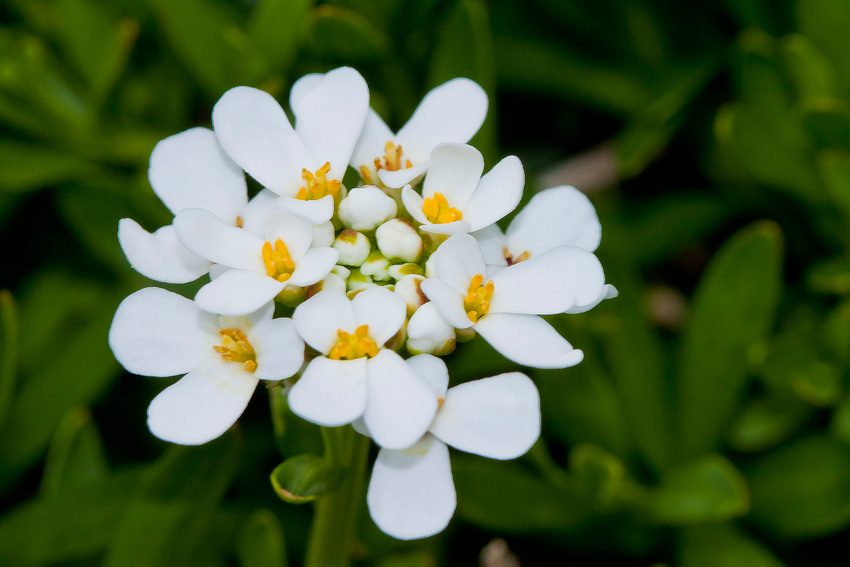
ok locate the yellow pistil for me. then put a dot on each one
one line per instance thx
(317, 185)
(351, 346)
(236, 348)
(438, 211)
(509, 258)
(279, 264)
(477, 301)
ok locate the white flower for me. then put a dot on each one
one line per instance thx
(411, 493)
(554, 217)
(189, 170)
(304, 164)
(159, 333)
(428, 332)
(452, 112)
(504, 309)
(357, 376)
(365, 208)
(258, 269)
(455, 198)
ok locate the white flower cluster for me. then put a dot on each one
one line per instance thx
(377, 280)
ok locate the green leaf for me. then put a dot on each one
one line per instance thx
(766, 422)
(834, 169)
(464, 48)
(166, 521)
(758, 73)
(825, 24)
(707, 490)
(260, 542)
(304, 478)
(733, 307)
(75, 457)
(9, 353)
(25, 167)
(338, 33)
(276, 26)
(602, 473)
(413, 559)
(827, 122)
(831, 276)
(811, 74)
(839, 426)
(802, 490)
(722, 546)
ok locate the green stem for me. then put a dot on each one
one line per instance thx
(335, 520)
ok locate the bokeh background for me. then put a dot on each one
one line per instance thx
(709, 424)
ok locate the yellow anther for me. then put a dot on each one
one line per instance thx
(350, 346)
(477, 301)
(366, 175)
(240, 222)
(279, 264)
(316, 185)
(391, 160)
(236, 348)
(440, 402)
(509, 258)
(438, 211)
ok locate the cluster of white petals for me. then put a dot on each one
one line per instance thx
(371, 283)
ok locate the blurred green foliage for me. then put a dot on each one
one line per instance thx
(709, 424)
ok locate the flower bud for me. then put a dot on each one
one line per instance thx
(358, 281)
(365, 208)
(398, 240)
(376, 266)
(398, 271)
(353, 247)
(408, 288)
(428, 333)
(330, 281)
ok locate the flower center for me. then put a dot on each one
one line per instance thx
(236, 348)
(279, 264)
(317, 185)
(477, 301)
(509, 258)
(391, 161)
(351, 346)
(438, 211)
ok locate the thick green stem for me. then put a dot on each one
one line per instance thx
(334, 523)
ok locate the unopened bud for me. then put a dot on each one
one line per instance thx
(323, 235)
(365, 208)
(408, 288)
(353, 247)
(376, 266)
(428, 333)
(398, 240)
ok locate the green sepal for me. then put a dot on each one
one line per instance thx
(304, 478)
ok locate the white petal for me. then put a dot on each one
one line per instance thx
(402, 177)
(457, 261)
(316, 211)
(323, 235)
(428, 332)
(452, 112)
(370, 145)
(454, 172)
(255, 132)
(498, 193)
(190, 170)
(247, 322)
(450, 228)
(400, 405)
(203, 404)
(315, 265)
(331, 392)
(381, 309)
(257, 210)
(411, 493)
(205, 235)
(492, 242)
(433, 371)
(279, 349)
(608, 292)
(319, 318)
(497, 417)
(414, 203)
(295, 231)
(330, 120)
(159, 333)
(238, 292)
(555, 217)
(360, 427)
(527, 340)
(301, 88)
(550, 283)
(159, 256)
(449, 303)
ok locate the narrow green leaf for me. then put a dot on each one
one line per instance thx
(733, 307)
(827, 122)
(75, 457)
(831, 276)
(811, 73)
(834, 169)
(825, 24)
(304, 478)
(802, 490)
(707, 490)
(766, 422)
(9, 353)
(602, 473)
(260, 542)
(338, 33)
(25, 167)
(276, 26)
(839, 427)
(758, 73)
(166, 521)
(722, 546)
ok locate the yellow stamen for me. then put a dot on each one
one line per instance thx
(391, 159)
(351, 346)
(440, 402)
(236, 348)
(509, 258)
(240, 222)
(438, 211)
(317, 185)
(279, 264)
(477, 301)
